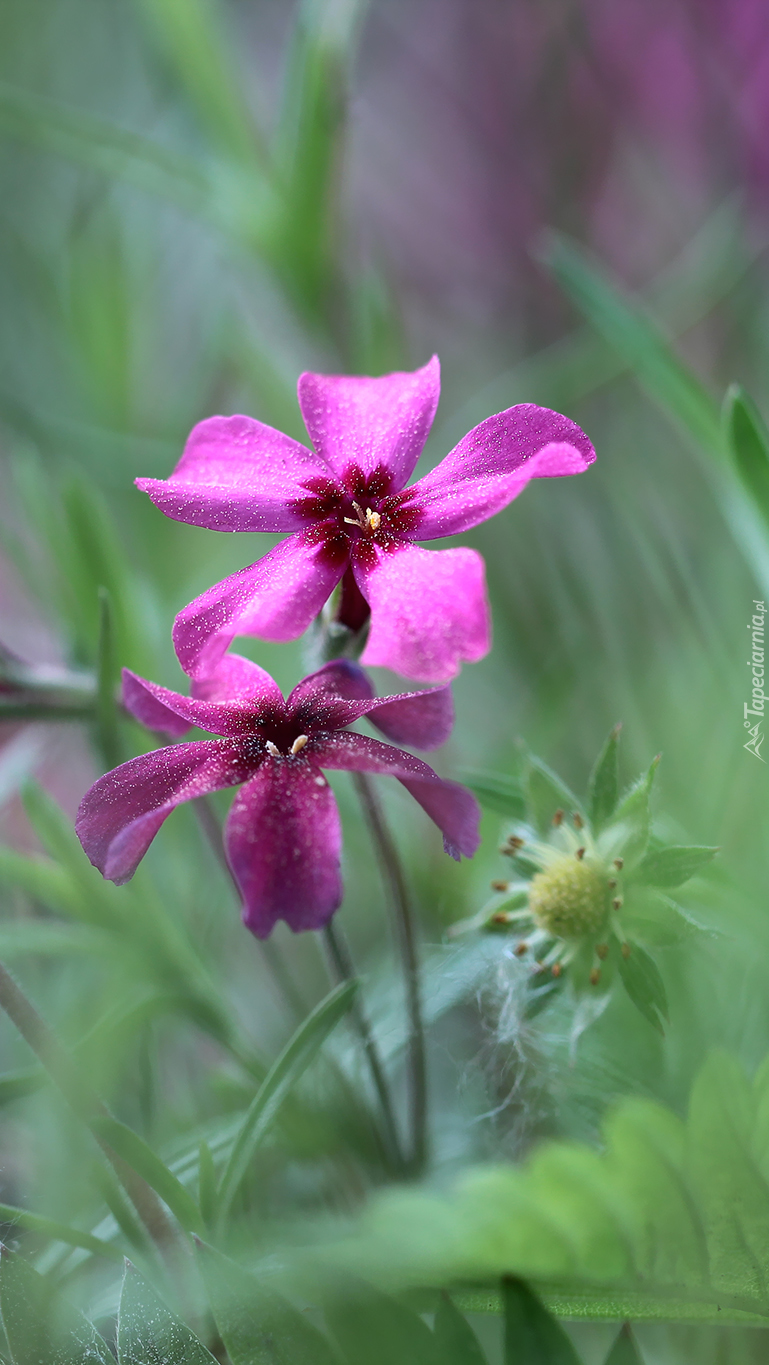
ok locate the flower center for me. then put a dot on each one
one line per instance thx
(368, 521)
(359, 506)
(569, 899)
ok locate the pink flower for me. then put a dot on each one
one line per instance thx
(352, 518)
(283, 836)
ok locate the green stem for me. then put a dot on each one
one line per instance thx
(85, 1104)
(405, 933)
(339, 955)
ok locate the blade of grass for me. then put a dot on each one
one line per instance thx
(297, 1055)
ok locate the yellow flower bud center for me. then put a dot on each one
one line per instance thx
(569, 898)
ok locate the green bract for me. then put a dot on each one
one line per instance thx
(589, 895)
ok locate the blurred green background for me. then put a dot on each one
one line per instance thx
(199, 201)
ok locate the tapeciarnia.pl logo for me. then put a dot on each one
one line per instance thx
(755, 707)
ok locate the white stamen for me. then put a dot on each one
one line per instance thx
(373, 519)
(298, 743)
(272, 749)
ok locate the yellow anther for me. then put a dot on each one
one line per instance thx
(602, 951)
(619, 863)
(617, 903)
(298, 744)
(373, 519)
(556, 969)
(581, 853)
(595, 976)
(626, 950)
(558, 817)
(578, 821)
(272, 749)
(499, 886)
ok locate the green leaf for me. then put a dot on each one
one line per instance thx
(497, 792)
(207, 1184)
(297, 1055)
(40, 1325)
(747, 439)
(58, 1232)
(309, 148)
(546, 794)
(674, 865)
(603, 785)
(101, 146)
(257, 1325)
(193, 38)
(455, 1339)
(668, 1221)
(143, 1160)
(624, 1351)
(149, 1334)
(631, 823)
(643, 983)
(531, 1334)
(374, 1327)
(632, 334)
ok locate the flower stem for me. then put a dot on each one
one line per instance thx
(85, 1104)
(403, 917)
(339, 955)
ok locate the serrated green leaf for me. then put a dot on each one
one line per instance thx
(546, 794)
(674, 865)
(147, 1164)
(299, 1052)
(630, 332)
(669, 1221)
(455, 1340)
(497, 792)
(722, 1166)
(631, 823)
(371, 1326)
(603, 785)
(748, 443)
(257, 1325)
(531, 1333)
(643, 983)
(149, 1334)
(624, 1351)
(41, 1326)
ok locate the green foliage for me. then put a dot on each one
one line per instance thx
(747, 440)
(673, 866)
(149, 1334)
(258, 1325)
(455, 1340)
(603, 783)
(40, 1324)
(671, 1217)
(293, 1061)
(531, 1334)
(497, 792)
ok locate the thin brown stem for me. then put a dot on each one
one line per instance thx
(405, 933)
(341, 961)
(85, 1103)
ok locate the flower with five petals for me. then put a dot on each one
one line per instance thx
(353, 520)
(282, 837)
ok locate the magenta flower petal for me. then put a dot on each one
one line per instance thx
(121, 814)
(238, 679)
(340, 678)
(283, 842)
(236, 474)
(142, 701)
(428, 609)
(276, 598)
(453, 808)
(493, 463)
(147, 700)
(372, 423)
(423, 720)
